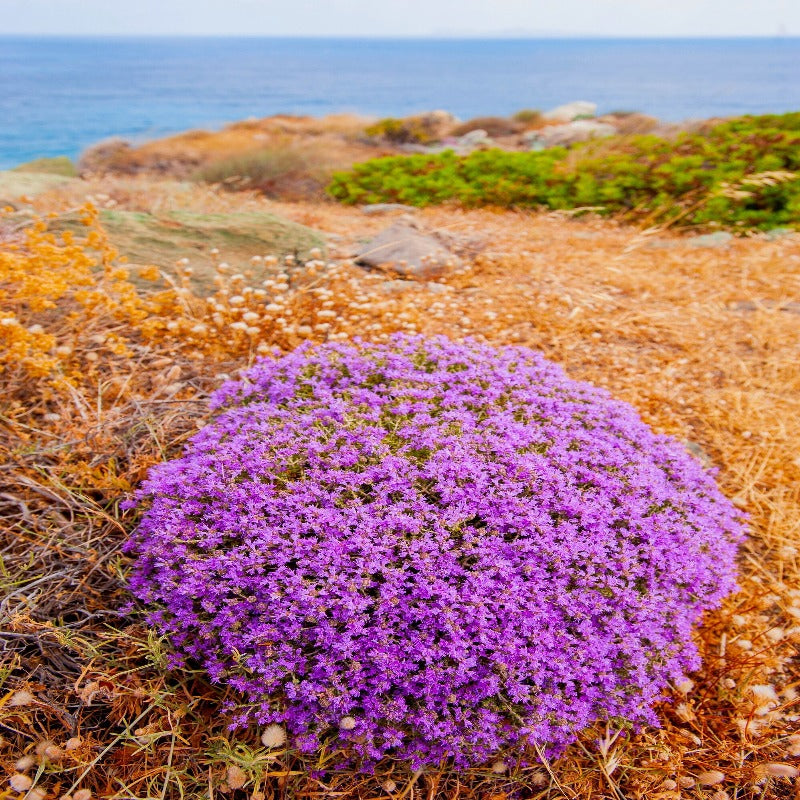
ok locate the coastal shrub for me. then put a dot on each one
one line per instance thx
(409, 130)
(529, 117)
(428, 550)
(743, 173)
(283, 170)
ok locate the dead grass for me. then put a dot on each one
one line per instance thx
(704, 342)
(340, 137)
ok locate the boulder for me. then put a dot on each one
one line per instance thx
(570, 111)
(581, 130)
(406, 250)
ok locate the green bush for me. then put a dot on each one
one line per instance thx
(743, 173)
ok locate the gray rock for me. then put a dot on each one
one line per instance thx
(779, 233)
(571, 111)
(716, 239)
(789, 307)
(476, 138)
(581, 130)
(406, 250)
(376, 209)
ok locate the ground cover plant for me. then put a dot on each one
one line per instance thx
(702, 342)
(432, 550)
(742, 173)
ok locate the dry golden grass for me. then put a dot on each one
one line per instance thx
(337, 140)
(704, 342)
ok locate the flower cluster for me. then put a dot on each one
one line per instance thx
(426, 550)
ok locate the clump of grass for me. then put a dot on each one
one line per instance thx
(288, 171)
(529, 117)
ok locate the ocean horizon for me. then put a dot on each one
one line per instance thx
(59, 95)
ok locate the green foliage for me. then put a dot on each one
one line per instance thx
(743, 173)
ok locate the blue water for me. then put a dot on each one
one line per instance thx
(59, 95)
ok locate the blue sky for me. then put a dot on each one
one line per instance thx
(408, 18)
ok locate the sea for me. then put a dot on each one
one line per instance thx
(61, 95)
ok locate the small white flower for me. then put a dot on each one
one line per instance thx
(347, 723)
(274, 736)
(20, 782)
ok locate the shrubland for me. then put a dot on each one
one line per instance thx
(740, 174)
(108, 374)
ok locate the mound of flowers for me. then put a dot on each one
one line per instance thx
(431, 550)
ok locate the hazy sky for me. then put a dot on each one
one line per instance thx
(403, 17)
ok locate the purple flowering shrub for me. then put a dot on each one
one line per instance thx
(427, 550)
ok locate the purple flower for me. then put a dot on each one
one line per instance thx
(432, 550)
